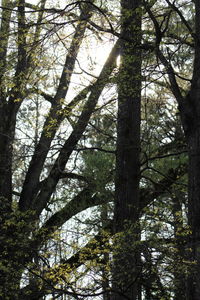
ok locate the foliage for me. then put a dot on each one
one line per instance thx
(58, 119)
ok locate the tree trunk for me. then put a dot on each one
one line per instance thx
(194, 212)
(180, 255)
(193, 138)
(126, 258)
(12, 256)
(6, 139)
(189, 107)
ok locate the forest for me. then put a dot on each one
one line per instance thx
(100, 149)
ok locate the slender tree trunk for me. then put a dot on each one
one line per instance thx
(126, 258)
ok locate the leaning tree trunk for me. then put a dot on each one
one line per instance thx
(126, 258)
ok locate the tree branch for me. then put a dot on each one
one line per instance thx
(31, 183)
(59, 166)
(169, 69)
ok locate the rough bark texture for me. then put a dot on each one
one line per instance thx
(193, 137)
(128, 155)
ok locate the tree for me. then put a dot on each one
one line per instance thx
(128, 153)
(188, 106)
(66, 166)
(22, 74)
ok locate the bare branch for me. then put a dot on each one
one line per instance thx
(60, 163)
(30, 187)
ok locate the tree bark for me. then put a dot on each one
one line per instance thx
(126, 258)
(191, 123)
(194, 210)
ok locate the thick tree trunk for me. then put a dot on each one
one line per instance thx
(126, 258)
(191, 124)
(12, 255)
(9, 268)
(194, 212)
(193, 138)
